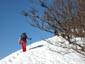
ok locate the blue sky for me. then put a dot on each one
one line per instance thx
(12, 24)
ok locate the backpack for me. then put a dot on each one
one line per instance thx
(23, 36)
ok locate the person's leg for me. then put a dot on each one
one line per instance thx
(23, 46)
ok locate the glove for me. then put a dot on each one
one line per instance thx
(19, 42)
(30, 38)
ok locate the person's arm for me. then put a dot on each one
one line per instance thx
(29, 38)
(19, 40)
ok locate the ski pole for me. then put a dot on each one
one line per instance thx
(30, 43)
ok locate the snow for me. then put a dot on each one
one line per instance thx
(49, 51)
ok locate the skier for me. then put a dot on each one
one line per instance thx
(22, 41)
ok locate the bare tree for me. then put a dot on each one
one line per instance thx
(60, 17)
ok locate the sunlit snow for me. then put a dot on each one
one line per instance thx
(48, 51)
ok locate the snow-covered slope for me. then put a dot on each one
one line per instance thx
(49, 51)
